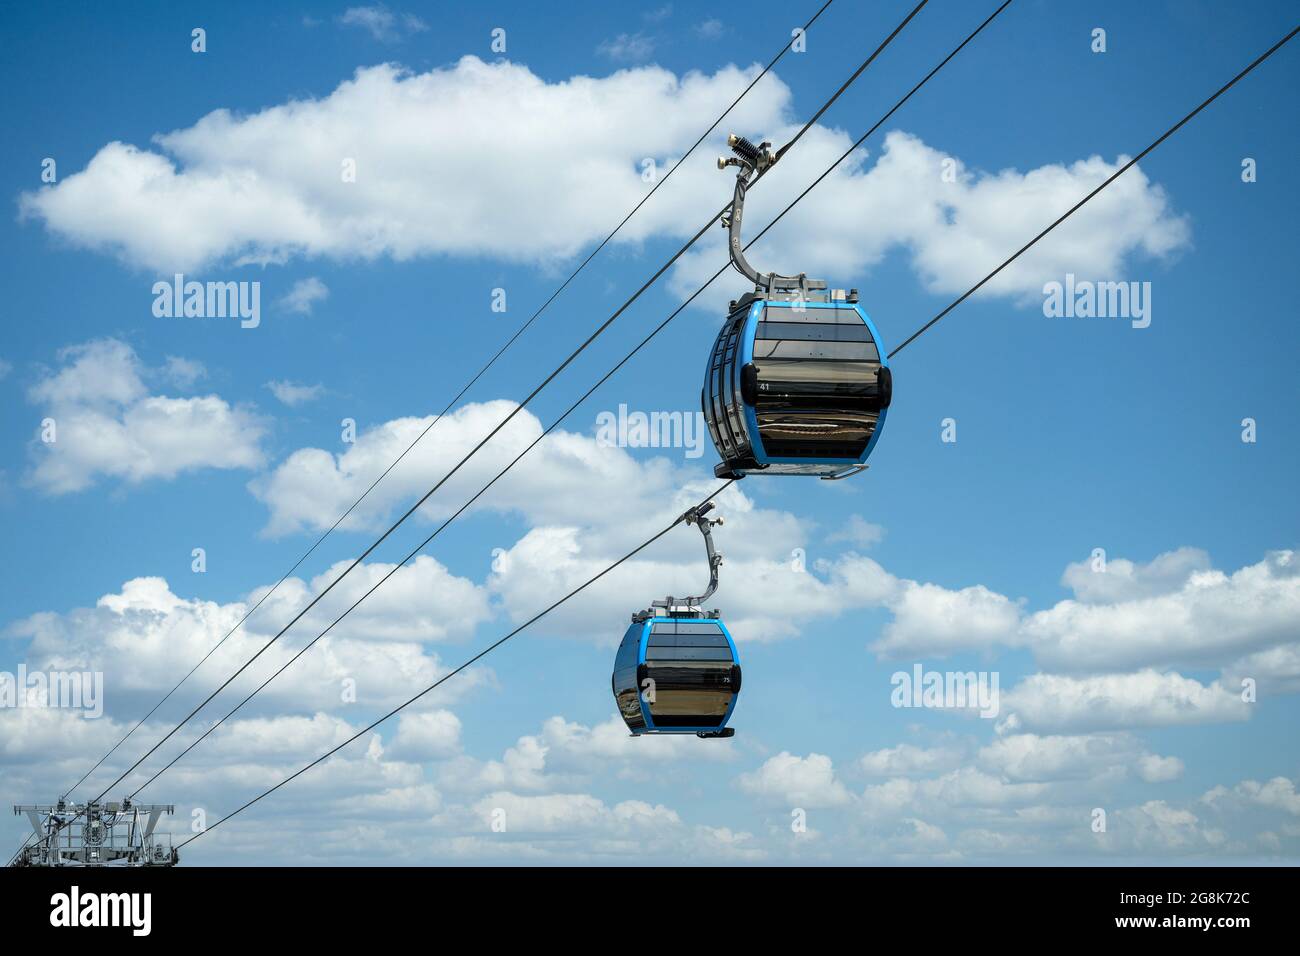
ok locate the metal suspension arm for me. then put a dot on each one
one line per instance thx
(752, 161)
(696, 516)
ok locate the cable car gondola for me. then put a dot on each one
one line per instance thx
(677, 670)
(797, 382)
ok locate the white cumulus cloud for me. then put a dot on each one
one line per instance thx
(1174, 611)
(294, 395)
(1146, 698)
(796, 781)
(269, 186)
(382, 23)
(304, 294)
(106, 424)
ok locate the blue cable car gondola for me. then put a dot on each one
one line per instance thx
(677, 670)
(797, 382)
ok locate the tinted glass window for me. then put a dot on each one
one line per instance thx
(629, 707)
(724, 425)
(722, 653)
(697, 627)
(812, 315)
(802, 349)
(666, 631)
(687, 633)
(628, 650)
(782, 377)
(814, 331)
(691, 693)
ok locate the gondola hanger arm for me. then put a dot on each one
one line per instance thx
(752, 162)
(698, 517)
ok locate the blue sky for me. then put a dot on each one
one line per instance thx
(1121, 688)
